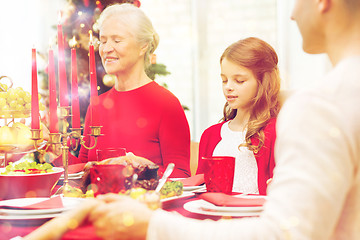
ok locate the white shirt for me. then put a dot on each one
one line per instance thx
(315, 191)
(246, 171)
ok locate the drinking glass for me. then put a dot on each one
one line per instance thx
(108, 178)
(219, 173)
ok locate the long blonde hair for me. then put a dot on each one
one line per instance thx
(262, 60)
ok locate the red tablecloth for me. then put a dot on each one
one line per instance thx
(9, 230)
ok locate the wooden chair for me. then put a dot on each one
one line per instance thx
(194, 154)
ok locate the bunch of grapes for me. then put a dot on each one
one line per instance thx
(16, 102)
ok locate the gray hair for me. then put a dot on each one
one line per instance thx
(135, 18)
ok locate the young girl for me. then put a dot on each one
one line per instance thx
(251, 84)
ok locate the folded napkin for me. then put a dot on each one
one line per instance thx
(195, 180)
(51, 203)
(224, 200)
(75, 168)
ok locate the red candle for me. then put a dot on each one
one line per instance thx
(35, 123)
(93, 85)
(52, 94)
(74, 91)
(63, 96)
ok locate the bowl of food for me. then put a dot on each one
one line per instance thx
(28, 180)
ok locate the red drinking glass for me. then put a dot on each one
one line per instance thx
(219, 173)
(110, 178)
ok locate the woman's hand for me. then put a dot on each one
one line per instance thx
(120, 217)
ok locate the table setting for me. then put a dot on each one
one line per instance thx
(34, 193)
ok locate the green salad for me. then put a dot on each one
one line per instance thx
(26, 167)
(171, 189)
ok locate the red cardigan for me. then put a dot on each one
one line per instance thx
(264, 158)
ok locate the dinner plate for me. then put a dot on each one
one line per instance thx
(212, 207)
(183, 195)
(203, 207)
(68, 203)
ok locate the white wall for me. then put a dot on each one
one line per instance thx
(23, 25)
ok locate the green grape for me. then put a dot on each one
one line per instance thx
(5, 108)
(41, 107)
(3, 95)
(21, 101)
(20, 92)
(27, 97)
(12, 95)
(28, 106)
(19, 107)
(12, 104)
(2, 102)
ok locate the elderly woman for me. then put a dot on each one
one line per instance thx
(137, 113)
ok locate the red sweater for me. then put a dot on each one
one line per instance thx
(148, 121)
(264, 158)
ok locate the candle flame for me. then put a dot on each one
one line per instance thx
(50, 43)
(59, 17)
(72, 42)
(91, 37)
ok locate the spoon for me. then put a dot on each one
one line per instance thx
(169, 169)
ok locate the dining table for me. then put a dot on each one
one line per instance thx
(12, 228)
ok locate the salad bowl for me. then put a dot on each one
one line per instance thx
(28, 185)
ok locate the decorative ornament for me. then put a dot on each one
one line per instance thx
(99, 5)
(69, 10)
(97, 12)
(137, 3)
(109, 80)
(96, 43)
(86, 3)
(95, 27)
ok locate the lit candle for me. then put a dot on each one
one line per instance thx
(74, 88)
(63, 96)
(93, 85)
(35, 123)
(52, 94)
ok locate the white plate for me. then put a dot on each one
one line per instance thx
(68, 203)
(28, 217)
(202, 207)
(183, 195)
(211, 207)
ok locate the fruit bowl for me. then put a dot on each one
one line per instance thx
(29, 185)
